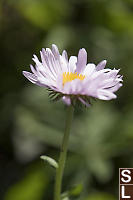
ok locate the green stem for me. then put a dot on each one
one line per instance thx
(63, 153)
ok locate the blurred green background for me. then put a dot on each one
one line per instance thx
(31, 125)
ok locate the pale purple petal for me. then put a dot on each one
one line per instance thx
(101, 65)
(82, 60)
(31, 77)
(55, 51)
(33, 70)
(64, 55)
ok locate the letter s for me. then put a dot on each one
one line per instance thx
(128, 177)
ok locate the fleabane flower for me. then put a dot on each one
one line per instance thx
(73, 79)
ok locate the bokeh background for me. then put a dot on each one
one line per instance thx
(31, 125)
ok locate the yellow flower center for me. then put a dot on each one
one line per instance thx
(67, 77)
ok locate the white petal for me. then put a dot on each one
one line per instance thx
(72, 63)
(106, 95)
(64, 64)
(115, 88)
(89, 69)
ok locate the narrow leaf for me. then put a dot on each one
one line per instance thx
(51, 161)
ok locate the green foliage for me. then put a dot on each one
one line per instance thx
(31, 186)
(100, 196)
(42, 13)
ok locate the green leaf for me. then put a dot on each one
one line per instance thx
(65, 196)
(76, 190)
(51, 161)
